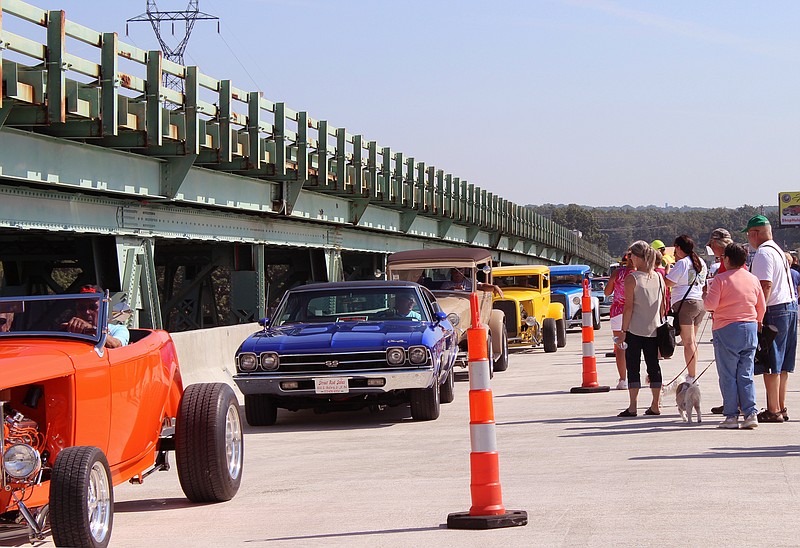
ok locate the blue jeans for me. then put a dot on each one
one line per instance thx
(734, 349)
(784, 317)
(633, 360)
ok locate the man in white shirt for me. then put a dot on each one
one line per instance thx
(771, 268)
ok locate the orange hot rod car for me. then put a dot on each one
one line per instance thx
(79, 418)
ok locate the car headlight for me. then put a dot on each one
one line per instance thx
(395, 356)
(270, 361)
(21, 461)
(453, 319)
(530, 321)
(248, 362)
(418, 355)
(576, 300)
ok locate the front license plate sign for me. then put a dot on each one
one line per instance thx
(331, 386)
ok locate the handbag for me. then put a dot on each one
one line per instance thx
(665, 336)
(674, 314)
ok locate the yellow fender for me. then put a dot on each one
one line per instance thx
(555, 311)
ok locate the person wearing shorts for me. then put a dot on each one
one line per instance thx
(771, 268)
(616, 285)
(687, 280)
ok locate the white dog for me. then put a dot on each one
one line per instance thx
(687, 396)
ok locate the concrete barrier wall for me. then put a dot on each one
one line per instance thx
(206, 355)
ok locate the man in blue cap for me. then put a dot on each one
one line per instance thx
(771, 268)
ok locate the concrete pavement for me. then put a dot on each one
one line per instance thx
(585, 477)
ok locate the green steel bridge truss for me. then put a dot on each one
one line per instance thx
(92, 142)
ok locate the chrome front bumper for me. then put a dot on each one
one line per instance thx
(396, 379)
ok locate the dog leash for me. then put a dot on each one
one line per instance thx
(694, 354)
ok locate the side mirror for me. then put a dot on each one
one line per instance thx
(441, 316)
(263, 322)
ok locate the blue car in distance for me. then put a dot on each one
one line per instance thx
(566, 286)
(349, 345)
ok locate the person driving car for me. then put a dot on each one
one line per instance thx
(6, 319)
(85, 320)
(403, 305)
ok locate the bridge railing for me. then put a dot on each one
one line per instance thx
(115, 97)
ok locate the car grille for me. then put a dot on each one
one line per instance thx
(560, 298)
(302, 363)
(511, 310)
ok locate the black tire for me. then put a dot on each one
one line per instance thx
(561, 333)
(425, 403)
(596, 319)
(447, 392)
(80, 479)
(209, 445)
(260, 410)
(549, 335)
(501, 364)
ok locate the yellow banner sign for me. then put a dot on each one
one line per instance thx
(789, 208)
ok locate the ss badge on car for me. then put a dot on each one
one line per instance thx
(332, 363)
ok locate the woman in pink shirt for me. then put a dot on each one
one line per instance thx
(616, 285)
(737, 300)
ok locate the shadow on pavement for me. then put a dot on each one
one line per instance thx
(306, 420)
(351, 534)
(153, 505)
(733, 453)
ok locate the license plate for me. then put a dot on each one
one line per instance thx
(336, 385)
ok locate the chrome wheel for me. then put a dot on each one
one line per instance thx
(98, 502)
(233, 442)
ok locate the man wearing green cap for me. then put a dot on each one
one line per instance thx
(771, 268)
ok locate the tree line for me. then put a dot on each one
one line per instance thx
(615, 228)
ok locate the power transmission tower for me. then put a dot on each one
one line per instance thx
(189, 16)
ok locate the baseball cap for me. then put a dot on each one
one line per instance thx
(720, 234)
(756, 221)
(657, 244)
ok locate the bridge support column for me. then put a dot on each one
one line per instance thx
(137, 275)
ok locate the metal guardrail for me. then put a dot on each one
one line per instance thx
(118, 100)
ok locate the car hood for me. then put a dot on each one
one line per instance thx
(335, 337)
(520, 294)
(567, 290)
(24, 363)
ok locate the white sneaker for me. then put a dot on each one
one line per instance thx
(750, 422)
(689, 379)
(729, 422)
(622, 384)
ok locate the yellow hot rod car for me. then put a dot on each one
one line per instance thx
(531, 318)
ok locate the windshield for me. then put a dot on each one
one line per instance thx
(524, 281)
(75, 316)
(598, 285)
(566, 279)
(458, 279)
(350, 305)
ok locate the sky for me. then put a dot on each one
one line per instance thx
(594, 102)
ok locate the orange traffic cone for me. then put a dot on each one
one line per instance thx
(589, 360)
(487, 511)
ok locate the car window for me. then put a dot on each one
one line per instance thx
(50, 315)
(351, 305)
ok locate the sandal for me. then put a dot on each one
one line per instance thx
(651, 412)
(769, 416)
(785, 414)
(627, 413)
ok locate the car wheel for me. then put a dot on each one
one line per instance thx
(502, 362)
(561, 333)
(260, 410)
(209, 447)
(596, 319)
(447, 390)
(425, 403)
(81, 498)
(549, 335)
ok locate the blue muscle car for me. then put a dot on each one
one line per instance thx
(349, 345)
(566, 283)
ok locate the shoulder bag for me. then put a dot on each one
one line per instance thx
(665, 333)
